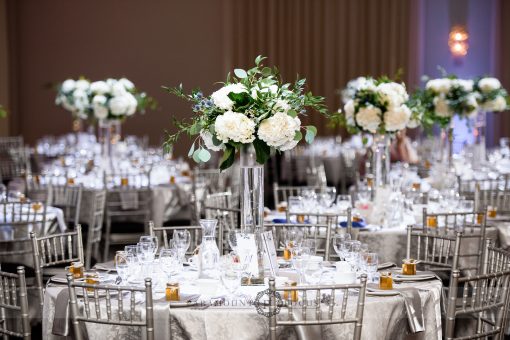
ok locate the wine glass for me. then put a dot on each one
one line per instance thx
(153, 239)
(295, 204)
(338, 244)
(232, 239)
(343, 202)
(370, 261)
(313, 272)
(293, 238)
(231, 274)
(328, 196)
(182, 241)
(352, 253)
(168, 261)
(311, 244)
(122, 265)
(300, 257)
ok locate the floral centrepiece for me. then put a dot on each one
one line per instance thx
(442, 98)
(492, 97)
(111, 99)
(253, 107)
(377, 107)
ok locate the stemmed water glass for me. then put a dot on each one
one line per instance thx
(145, 254)
(369, 262)
(343, 202)
(182, 241)
(153, 239)
(300, 258)
(352, 253)
(292, 238)
(231, 271)
(339, 244)
(169, 261)
(122, 265)
(313, 272)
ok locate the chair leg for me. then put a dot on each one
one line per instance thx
(107, 239)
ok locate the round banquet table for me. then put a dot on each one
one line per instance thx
(385, 317)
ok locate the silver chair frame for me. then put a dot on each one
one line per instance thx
(13, 297)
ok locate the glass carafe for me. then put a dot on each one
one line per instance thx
(208, 253)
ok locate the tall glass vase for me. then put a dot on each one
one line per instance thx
(447, 145)
(380, 166)
(109, 134)
(252, 204)
(479, 130)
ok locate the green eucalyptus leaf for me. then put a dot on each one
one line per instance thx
(228, 157)
(240, 73)
(204, 155)
(313, 129)
(191, 150)
(216, 141)
(298, 136)
(266, 71)
(310, 134)
(262, 151)
(196, 156)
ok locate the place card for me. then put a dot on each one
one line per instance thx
(247, 246)
(270, 252)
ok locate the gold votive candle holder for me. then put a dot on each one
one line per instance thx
(76, 269)
(385, 281)
(291, 294)
(409, 267)
(492, 211)
(432, 221)
(124, 181)
(479, 218)
(91, 278)
(172, 291)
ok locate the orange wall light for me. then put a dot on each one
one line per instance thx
(458, 41)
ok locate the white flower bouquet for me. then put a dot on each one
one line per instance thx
(102, 100)
(492, 97)
(442, 98)
(377, 107)
(254, 108)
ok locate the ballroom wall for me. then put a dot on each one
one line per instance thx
(164, 42)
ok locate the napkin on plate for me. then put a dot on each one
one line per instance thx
(417, 277)
(386, 265)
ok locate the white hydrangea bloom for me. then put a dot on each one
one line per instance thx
(99, 87)
(273, 89)
(369, 118)
(349, 112)
(208, 141)
(394, 94)
(118, 89)
(234, 126)
(81, 99)
(397, 118)
(82, 84)
(119, 105)
(496, 105)
(99, 106)
(440, 85)
(489, 84)
(68, 86)
(441, 107)
(465, 84)
(220, 98)
(279, 130)
(128, 84)
(133, 104)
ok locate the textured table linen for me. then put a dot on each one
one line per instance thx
(384, 318)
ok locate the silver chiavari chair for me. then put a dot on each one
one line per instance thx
(316, 232)
(467, 187)
(67, 198)
(106, 304)
(330, 220)
(14, 301)
(129, 195)
(483, 298)
(95, 227)
(8, 143)
(282, 193)
(324, 311)
(497, 199)
(166, 233)
(51, 252)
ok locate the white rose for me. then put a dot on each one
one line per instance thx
(440, 85)
(68, 86)
(489, 84)
(466, 85)
(99, 100)
(133, 104)
(119, 105)
(82, 84)
(111, 81)
(397, 118)
(208, 141)
(128, 84)
(362, 83)
(234, 126)
(349, 112)
(100, 111)
(441, 107)
(81, 99)
(369, 118)
(393, 93)
(118, 89)
(279, 131)
(220, 98)
(99, 87)
(498, 104)
(281, 105)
